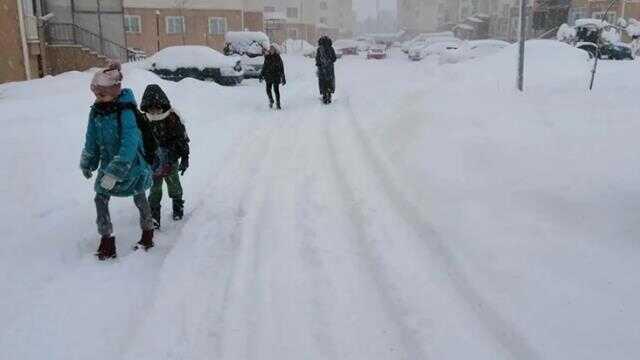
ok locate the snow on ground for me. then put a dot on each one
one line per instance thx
(430, 213)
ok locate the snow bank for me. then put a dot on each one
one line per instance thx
(174, 57)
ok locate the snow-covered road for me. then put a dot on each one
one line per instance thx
(397, 223)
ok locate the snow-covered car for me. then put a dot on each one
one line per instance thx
(377, 52)
(251, 46)
(364, 43)
(199, 62)
(598, 38)
(474, 49)
(480, 48)
(346, 46)
(617, 51)
(422, 38)
(419, 50)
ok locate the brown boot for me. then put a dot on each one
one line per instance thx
(146, 242)
(107, 248)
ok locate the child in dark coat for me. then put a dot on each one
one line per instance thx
(173, 151)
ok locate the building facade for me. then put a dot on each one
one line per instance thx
(22, 51)
(418, 16)
(308, 19)
(152, 25)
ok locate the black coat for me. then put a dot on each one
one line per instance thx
(273, 69)
(325, 58)
(170, 133)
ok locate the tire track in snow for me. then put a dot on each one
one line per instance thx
(204, 261)
(434, 247)
(382, 283)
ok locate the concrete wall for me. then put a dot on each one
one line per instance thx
(72, 58)
(197, 24)
(11, 60)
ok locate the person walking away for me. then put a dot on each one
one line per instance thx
(114, 147)
(173, 151)
(325, 58)
(273, 74)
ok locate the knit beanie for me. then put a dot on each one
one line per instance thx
(108, 81)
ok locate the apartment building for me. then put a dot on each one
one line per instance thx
(308, 19)
(625, 9)
(418, 16)
(19, 44)
(151, 25)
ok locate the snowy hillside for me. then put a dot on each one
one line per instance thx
(431, 212)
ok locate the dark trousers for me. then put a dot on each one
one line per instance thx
(276, 88)
(105, 227)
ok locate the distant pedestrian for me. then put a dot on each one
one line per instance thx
(114, 147)
(325, 58)
(173, 151)
(273, 74)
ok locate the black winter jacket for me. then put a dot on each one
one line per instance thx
(273, 69)
(169, 132)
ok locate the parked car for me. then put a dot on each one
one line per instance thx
(346, 46)
(474, 49)
(598, 38)
(377, 52)
(198, 62)
(617, 51)
(250, 46)
(364, 43)
(434, 46)
(407, 45)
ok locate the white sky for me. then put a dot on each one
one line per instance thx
(366, 8)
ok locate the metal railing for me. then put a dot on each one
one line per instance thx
(72, 34)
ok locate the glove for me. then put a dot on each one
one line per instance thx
(284, 82)
(108, 182)
(184, 165)
(87, 173)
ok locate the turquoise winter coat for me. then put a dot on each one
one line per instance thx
(116, 150)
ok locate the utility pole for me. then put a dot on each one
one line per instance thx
(523, 37)
(595, 62)
(158, 30)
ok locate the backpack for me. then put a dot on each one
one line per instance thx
(148, 139)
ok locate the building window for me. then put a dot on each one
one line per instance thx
(324, 5)
(175, 25)
(293, 34)
(323, 20)
(269, 9)
(132, 24)
(292, 12)
(217, 26)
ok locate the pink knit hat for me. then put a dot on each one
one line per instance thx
(108, 81)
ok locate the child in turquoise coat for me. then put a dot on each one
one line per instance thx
(114, 147)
